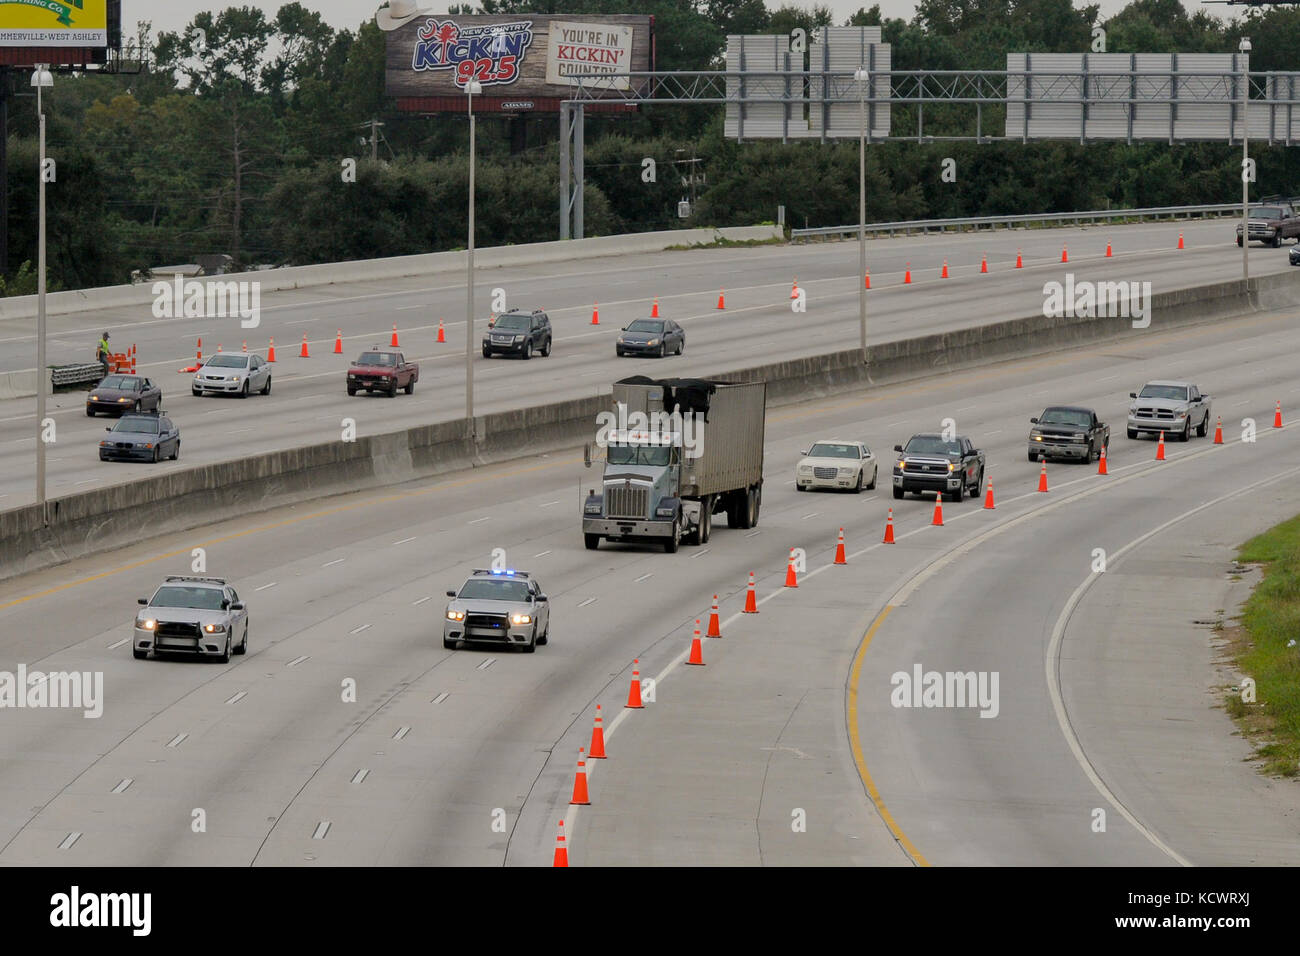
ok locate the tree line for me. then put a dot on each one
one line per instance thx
(236, 145)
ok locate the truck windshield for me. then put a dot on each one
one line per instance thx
(1176, 392)
(638, 454)
(377, 358)
(932, 445)
(1266, 212)
(1065, 416)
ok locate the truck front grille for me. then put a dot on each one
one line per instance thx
(627, 501)
(1160, 414)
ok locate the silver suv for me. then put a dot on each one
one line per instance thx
(186, 615)
(502, 607)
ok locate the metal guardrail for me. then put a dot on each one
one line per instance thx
(907, 227)
(76, 374)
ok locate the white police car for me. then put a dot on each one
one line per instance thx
(497, 607)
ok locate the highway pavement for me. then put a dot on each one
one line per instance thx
(308, 402)
(467, 756)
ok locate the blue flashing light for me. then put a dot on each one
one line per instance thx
(502, 571)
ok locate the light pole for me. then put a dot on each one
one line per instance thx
(1244, 48)
(861, 77)
(472, 87)
(41, 78)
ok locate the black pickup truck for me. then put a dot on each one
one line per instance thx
(1068, 431)
(931, 463)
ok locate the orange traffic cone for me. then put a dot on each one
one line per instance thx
(889, 528)
(1065, 256)
(302, 354)
(1107, 248)
(270, 351)
(938, 509)
(561, 851)
(1180, 240)
(595, 314)
(245, 345)
(944, 273)
(199, 357)
(697, 652)
(791, 579)
(722, 301)
(839, 550)
(866, 280)
(1218, 431)
(794, 289)
(1042, 478)
(597, 738)
(1160, 448)
(133, 358)
(907, 275)
(984, 263)
(1101, 462)
(654, 309)
(393, 344)
(442, 336)
(634, 692)
(1277, 415)
(715, 629)
(218, 346)
(751, 605)
(338, 343)
(580, 797)
(988, 497)
(1019, 262)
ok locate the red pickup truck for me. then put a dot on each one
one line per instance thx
(382, 370)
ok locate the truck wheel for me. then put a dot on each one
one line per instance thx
(1033, 456)
(448, 644)
(706, 520)
(592, 541)
(960, 493)
(747, 508)
(487, 352)
(898, 494)
(528, 350)
(1132, 433)
(1277, 241)
(138, 654)
(1186, 434)
(673, 541)
(351, 390)
(410, 387)
(1203, 428)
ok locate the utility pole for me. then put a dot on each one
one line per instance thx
(374, 125)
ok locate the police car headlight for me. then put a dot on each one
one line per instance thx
(455, 615)
(521, 619)
(214, 628)
(148, 624)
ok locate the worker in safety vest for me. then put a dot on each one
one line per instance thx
(102, 353)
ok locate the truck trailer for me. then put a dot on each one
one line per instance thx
(677, 452)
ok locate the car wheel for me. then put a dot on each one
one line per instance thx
(157, 453)
(138, 654)
(1277, 241)
(528, 350)
(681, 345)
(1203, 428)
(487, 352)
(176, 452)
(618, 352)
(266, 389)
(960, 493)
(410, 387)
(857, 489)
(392, 389)
(592, 541)
(1132, 433)
(663, 350)
(224, 657)
(243, 645)
(798, 487)
(351, 390)
(531, 646)
(449, 644)
(545, 635)
(898, 494)
(1186, 434)
(674, 540)
(196, 392)
(546, 349)
(979, 483)
(243, 392)
(90, 412)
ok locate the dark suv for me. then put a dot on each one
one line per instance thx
(518, 333)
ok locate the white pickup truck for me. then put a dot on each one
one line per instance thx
(1174, 408)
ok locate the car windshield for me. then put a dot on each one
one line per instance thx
(1176, 392)
(377, 358)
(512, 323)
(1266, 212)
(227, 361)
(1065, 416)
(932, 445)
(171, 595)
(494, 589)
(830, 450)
(141, 425)
(646, 325)
(637, 454)
(125, 382)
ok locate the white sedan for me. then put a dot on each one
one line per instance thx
(836, 464)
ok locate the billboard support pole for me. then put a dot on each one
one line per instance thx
(578, 175)
(571, 169)
(4, 171)
(565, 108)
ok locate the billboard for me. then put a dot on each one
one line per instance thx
(54, 23)
(523, 62)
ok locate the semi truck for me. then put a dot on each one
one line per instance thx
(677, 452)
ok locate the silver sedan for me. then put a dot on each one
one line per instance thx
(237, 373)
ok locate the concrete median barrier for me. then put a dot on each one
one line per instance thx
(83, 523)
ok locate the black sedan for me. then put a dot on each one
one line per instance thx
(141, 438)
(651, 337)
(123, 393)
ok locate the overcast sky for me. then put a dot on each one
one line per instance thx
(172, 15)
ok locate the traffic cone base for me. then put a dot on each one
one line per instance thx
(714, 629)
(597, 738)
(889, 528)
(580, 797)
(561, 851)
(634, 691)
(751, 605)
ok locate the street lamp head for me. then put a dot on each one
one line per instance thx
(860, 75)
(1244, 45)
(473, 87)
(42, 77)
